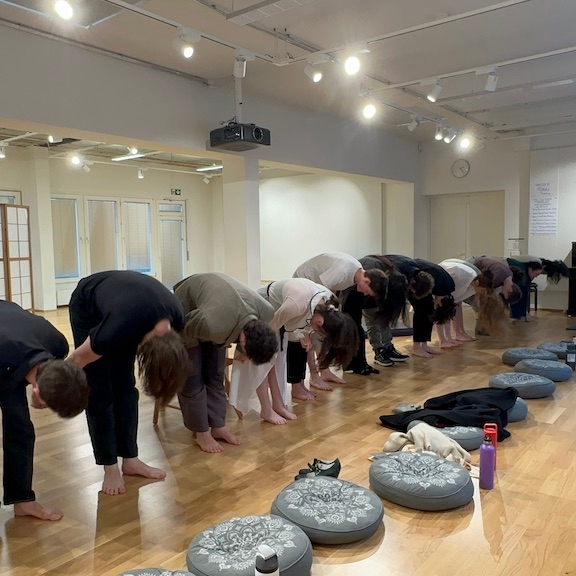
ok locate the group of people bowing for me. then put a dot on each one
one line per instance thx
(179, 339)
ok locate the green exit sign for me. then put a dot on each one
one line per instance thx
(175, 191)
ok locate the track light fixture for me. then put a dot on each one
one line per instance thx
(313, 73)
(75, 160)
(414, 123)
(184, 43)
(369, 111)
(207, 179)
(491, 81)
(439, 132)
(86, 168)
(3, 150)
(450, 136)
(64, 9)
(132, 149)
(352, 65)
(54, 139)
(434, 93)
(465, 142)
(140, 174)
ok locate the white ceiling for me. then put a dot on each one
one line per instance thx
(446, 44)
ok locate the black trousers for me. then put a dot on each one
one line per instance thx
(296, 362)
(17, 444)
(421, 323)
(112, 411)
(522, 307)
(354, 303)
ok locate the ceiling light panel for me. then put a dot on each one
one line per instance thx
(87, 13)
(262, 10)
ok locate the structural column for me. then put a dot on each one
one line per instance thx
(241, 219)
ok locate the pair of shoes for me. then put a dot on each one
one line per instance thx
(320, 468)
(381, 357)
(394, 355)
(364, 371)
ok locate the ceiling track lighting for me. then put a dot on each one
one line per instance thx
(465, 142)
(439, 132)
(434, 93)
(207, 179)
(414, 123)
(450, 136)
(140, 174)
(352, 65)
(491, 82)
(369, 111)
(54, 139)
(184, 42)
(210, 168)
(313, 73)
(64, 9)
(127, 157)
(3, 146)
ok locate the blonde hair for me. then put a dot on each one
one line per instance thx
(491, 311)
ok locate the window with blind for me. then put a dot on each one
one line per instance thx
(102, 219)
(137, 228)
(66, 237)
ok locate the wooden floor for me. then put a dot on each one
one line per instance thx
(526, 526)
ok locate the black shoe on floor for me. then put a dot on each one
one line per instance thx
(382, 358)
(396, 356)
(364, 371)
(320, 468)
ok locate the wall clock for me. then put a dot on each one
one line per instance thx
(460, 168)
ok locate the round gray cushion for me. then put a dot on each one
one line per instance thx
(421, 481)
(514, 355)
(329, 510)
(554, 370)
(155, 572)
(469, 437)
(229, 548)
(558, 348)
(518, 412)
(527, 385)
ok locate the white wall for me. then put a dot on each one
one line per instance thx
(398, 218)
(302, 216)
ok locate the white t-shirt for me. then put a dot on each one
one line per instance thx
(463, 273)
(333, 270)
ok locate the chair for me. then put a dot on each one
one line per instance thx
(158, 405)
(534, 290)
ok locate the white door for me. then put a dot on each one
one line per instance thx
(172, 235)
(448, 215)
(486, 224)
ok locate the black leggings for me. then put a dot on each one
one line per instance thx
(354, 303)
(296, 362)
(421, 323)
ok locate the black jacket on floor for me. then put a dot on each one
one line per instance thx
(474, 407)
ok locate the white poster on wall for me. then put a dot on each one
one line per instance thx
(544, 209)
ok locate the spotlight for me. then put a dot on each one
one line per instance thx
(184, 43)
(313, 73)
(414, 123)
(434, 93)
(132, 149)
(64, 9)
(140, 174)
(2, 151)
(352, 65)
(439, 132)
(449, 136)
(206, 180)
(76, 160)
(54, 139)
(491, 81)
(465, 142)
(369, 111)
(86, 168)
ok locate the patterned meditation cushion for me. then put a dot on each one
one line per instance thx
(230, 548)
(518, 412)
(155, 572)
(558, 348)
(421, 481)
(329, 510)
(527, 385)
(514, 355)
(469, 437)
(556, 371)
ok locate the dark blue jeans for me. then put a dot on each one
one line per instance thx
(521, 308)
(17, 444)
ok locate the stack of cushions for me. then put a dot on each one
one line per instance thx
(554, 370)
(230, 548)
(527, 385)
(512, 356)
(421, 481)
(330, 511)
(556, 348)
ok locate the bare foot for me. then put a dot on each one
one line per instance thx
(431, 350)
(328, 376)
(207, 443)
(113, 483)
(464, 338)
(317, 382)
(225, 434)
(36, 510)
(270, 416)
(422, 353)
(135, 467)
(284, 412)
(300, 392)
(450, 344)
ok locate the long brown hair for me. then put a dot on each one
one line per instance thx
(491, 311)
(163, 366)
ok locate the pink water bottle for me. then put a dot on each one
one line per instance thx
(487, 463)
